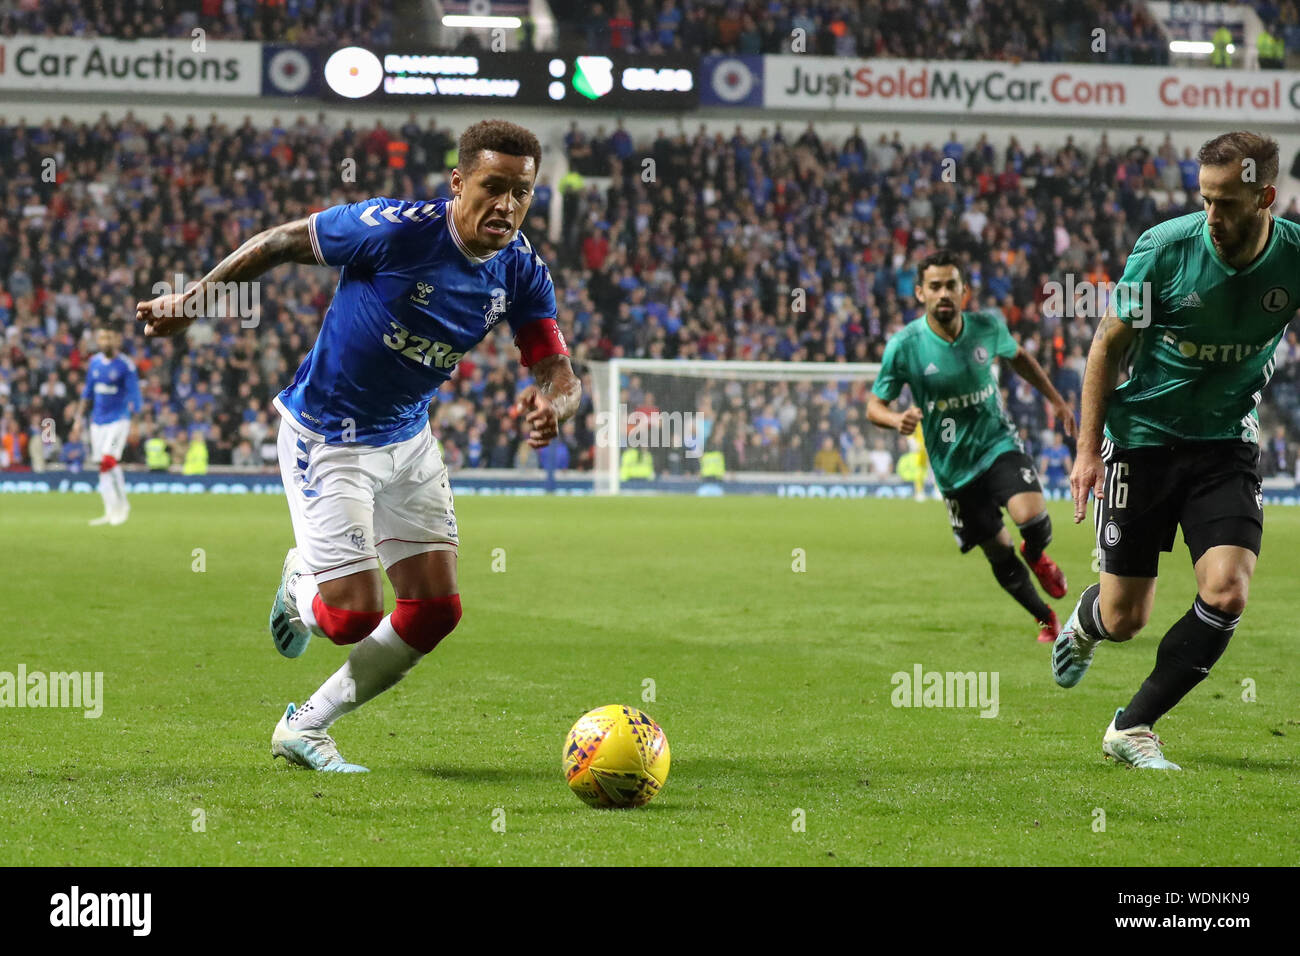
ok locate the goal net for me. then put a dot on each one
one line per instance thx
(671, 425)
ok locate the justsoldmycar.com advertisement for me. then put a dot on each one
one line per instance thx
(527, 79)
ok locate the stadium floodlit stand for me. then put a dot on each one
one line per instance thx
(701, 266)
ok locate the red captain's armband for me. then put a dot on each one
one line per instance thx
(539, 340)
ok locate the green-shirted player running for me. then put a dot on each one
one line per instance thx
(1180, 442)
(946, 357)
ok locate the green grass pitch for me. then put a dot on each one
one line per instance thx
(773, 686)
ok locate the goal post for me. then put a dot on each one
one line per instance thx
(661, 418)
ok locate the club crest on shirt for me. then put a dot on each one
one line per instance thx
(1028, 475)
(980, 354)
(1275, 299)
(496, 309)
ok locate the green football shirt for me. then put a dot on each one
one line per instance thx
(1207, 334)
(965, 424)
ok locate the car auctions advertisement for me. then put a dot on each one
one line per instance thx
(216, 68)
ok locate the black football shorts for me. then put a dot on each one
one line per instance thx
(1212, 489)
(975, 509)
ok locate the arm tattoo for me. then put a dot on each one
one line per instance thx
(289, 242)
(556, 380)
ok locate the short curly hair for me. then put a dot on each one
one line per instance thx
(1233, 149)
(499, 136)
(940, 257)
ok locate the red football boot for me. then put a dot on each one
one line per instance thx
(1051, 628)
(1049, 575)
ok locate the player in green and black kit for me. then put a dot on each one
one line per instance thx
(1180, 445)
(946, 357)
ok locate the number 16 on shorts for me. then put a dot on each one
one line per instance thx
(1117, 493)
(1115, 498)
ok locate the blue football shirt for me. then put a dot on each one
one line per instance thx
(410, 302)
(112, 387)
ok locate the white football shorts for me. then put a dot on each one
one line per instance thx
(357, 506)
(108, 439)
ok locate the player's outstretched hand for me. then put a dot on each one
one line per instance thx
(1089, 475)
(543, 424)
(908, 421)
(1065, 413)
(164, 315)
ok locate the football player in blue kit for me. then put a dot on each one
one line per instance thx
(420, 284)
(112, 391)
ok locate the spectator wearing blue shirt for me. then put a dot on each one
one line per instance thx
(766, 419)
(905, 281)
(1190, 171)
(554, 457)
(74, 455)
(474, 449)
(999, 283)
(620, 143)
(953, 149)
(1056, 462)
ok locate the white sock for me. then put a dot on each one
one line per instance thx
(304, 589)
(107, 492)
(119, 486)
(375, 664)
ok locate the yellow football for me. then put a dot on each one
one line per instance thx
(616, 756)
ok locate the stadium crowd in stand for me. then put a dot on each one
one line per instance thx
(1022, 30)
(305, 22)
(1016, 30)
(781, 246)
(705, 262)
